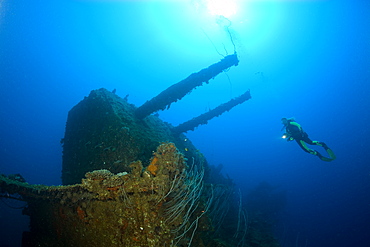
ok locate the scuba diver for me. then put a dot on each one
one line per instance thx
(294, 131)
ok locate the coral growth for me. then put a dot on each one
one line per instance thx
(125, 209)
(173, 207)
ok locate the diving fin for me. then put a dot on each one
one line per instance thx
(331, 155)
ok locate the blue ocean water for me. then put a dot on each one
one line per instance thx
(304, 59)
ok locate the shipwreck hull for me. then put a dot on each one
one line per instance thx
(161, 205)
(102, 132)
(130, 179)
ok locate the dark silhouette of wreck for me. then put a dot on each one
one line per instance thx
(130, 179)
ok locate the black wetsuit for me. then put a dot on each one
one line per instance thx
(295, 132)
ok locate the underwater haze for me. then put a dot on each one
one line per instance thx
(304, 59)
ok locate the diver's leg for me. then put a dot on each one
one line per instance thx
(322, 144)
(307, 140)
(303, 145)
(327, 149)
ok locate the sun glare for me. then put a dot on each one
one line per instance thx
(225, 8)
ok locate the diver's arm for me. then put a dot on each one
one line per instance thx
(298, 125)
